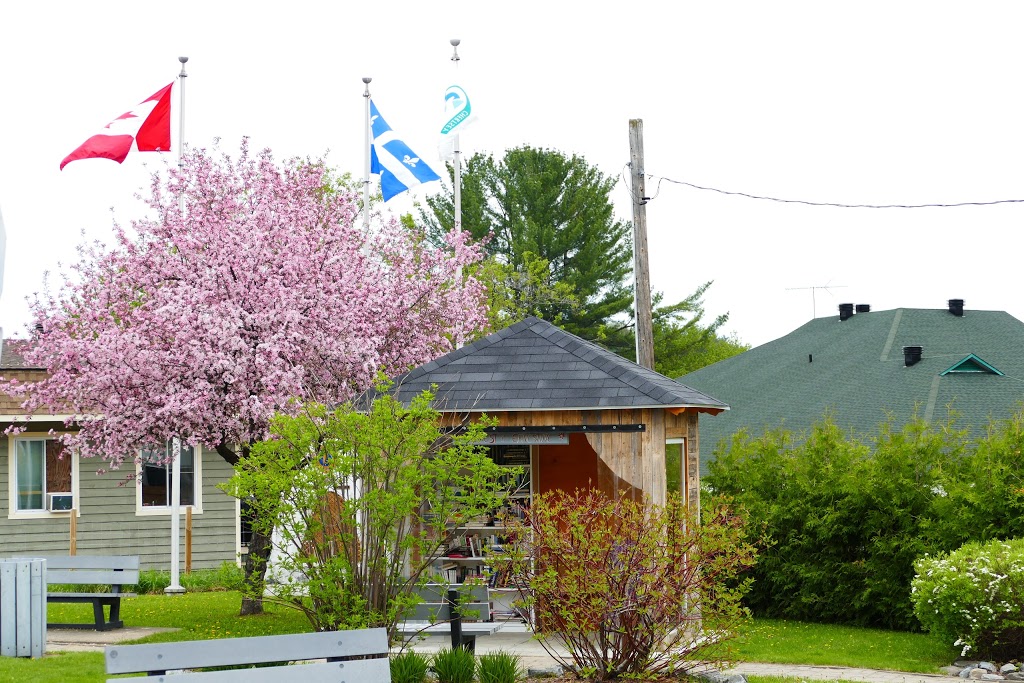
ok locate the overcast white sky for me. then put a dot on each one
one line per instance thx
(855, 102)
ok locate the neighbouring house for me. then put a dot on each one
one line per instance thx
(863, 366)
(571, 413)
(123, 511)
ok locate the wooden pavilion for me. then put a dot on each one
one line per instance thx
(577, 414)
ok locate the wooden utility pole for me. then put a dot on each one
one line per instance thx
(641, 270)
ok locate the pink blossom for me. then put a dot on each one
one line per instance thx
(203, 324)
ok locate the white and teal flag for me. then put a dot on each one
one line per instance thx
(398, 166)
(458, 115)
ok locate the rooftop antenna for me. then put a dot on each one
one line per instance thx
(814, 304)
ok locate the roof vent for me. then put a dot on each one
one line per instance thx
(845, 312)
(956, 307)
(912, 354)
(863, 308)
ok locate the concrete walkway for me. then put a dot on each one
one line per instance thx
(518, 640)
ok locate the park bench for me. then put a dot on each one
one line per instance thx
(441, 613)
(305, 650)
(113, 570)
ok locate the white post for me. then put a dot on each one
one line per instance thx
(175, 588)
(366, 165)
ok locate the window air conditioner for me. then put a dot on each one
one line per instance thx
(59, 502)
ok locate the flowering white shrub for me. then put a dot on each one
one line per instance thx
(974, 597)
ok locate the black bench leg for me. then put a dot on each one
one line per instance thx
(97, 613)
(455, 616)
(115, 614)
(469, 643)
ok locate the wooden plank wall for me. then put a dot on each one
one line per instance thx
(108, 523)
(631, 463)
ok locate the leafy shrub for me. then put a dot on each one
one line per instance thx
(846, 516)
(152, 581)
(629, 590)
(227, 577)
(498, 667)
(453, 665)
(409, 667)
(360, 504)
(974, 597)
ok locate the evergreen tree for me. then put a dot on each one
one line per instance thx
(541, 204)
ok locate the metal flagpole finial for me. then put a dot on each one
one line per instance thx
(183, 60)
(455, 48)
(367, 80)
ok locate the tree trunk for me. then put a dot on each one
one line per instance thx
(255, 571)
(259, 548)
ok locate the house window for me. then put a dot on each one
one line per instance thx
(156, 471)
(40, 468)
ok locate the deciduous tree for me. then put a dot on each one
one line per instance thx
(203, 323)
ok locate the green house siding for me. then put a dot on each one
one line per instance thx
(108, 523)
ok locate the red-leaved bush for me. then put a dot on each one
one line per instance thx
(630, 590)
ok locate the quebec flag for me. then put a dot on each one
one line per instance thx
(398, 166)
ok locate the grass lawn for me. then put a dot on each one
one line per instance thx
(201, 616)
(794, 642)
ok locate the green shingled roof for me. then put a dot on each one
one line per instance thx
(855, 369)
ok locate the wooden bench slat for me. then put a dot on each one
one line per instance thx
(477, 628)
(91, 561)
(357, 671)
(437, 592)
(69, 597)
(91, 576)
(253, 650)
(427, 611)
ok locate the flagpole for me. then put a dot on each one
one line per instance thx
(457, 215)
(175, 587)
(366, 159)
(457, 225)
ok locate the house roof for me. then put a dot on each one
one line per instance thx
(855, 369)
(534, 365)
(11, 358)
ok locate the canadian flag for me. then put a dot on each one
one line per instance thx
(148, 125)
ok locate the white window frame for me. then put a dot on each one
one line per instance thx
(165, 510)
(12, 481)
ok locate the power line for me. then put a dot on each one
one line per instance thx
(832, 204)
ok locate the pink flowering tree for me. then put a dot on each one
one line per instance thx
(204, 323)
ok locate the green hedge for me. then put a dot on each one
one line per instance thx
(847, 515)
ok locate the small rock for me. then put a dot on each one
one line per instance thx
(992, 677)
(549, 672)
(987, 666)
(719, 677)
(1015, 676)
(951, 670)
(1008, 668)
(976, 674)
(966, 663)
(966, 671)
